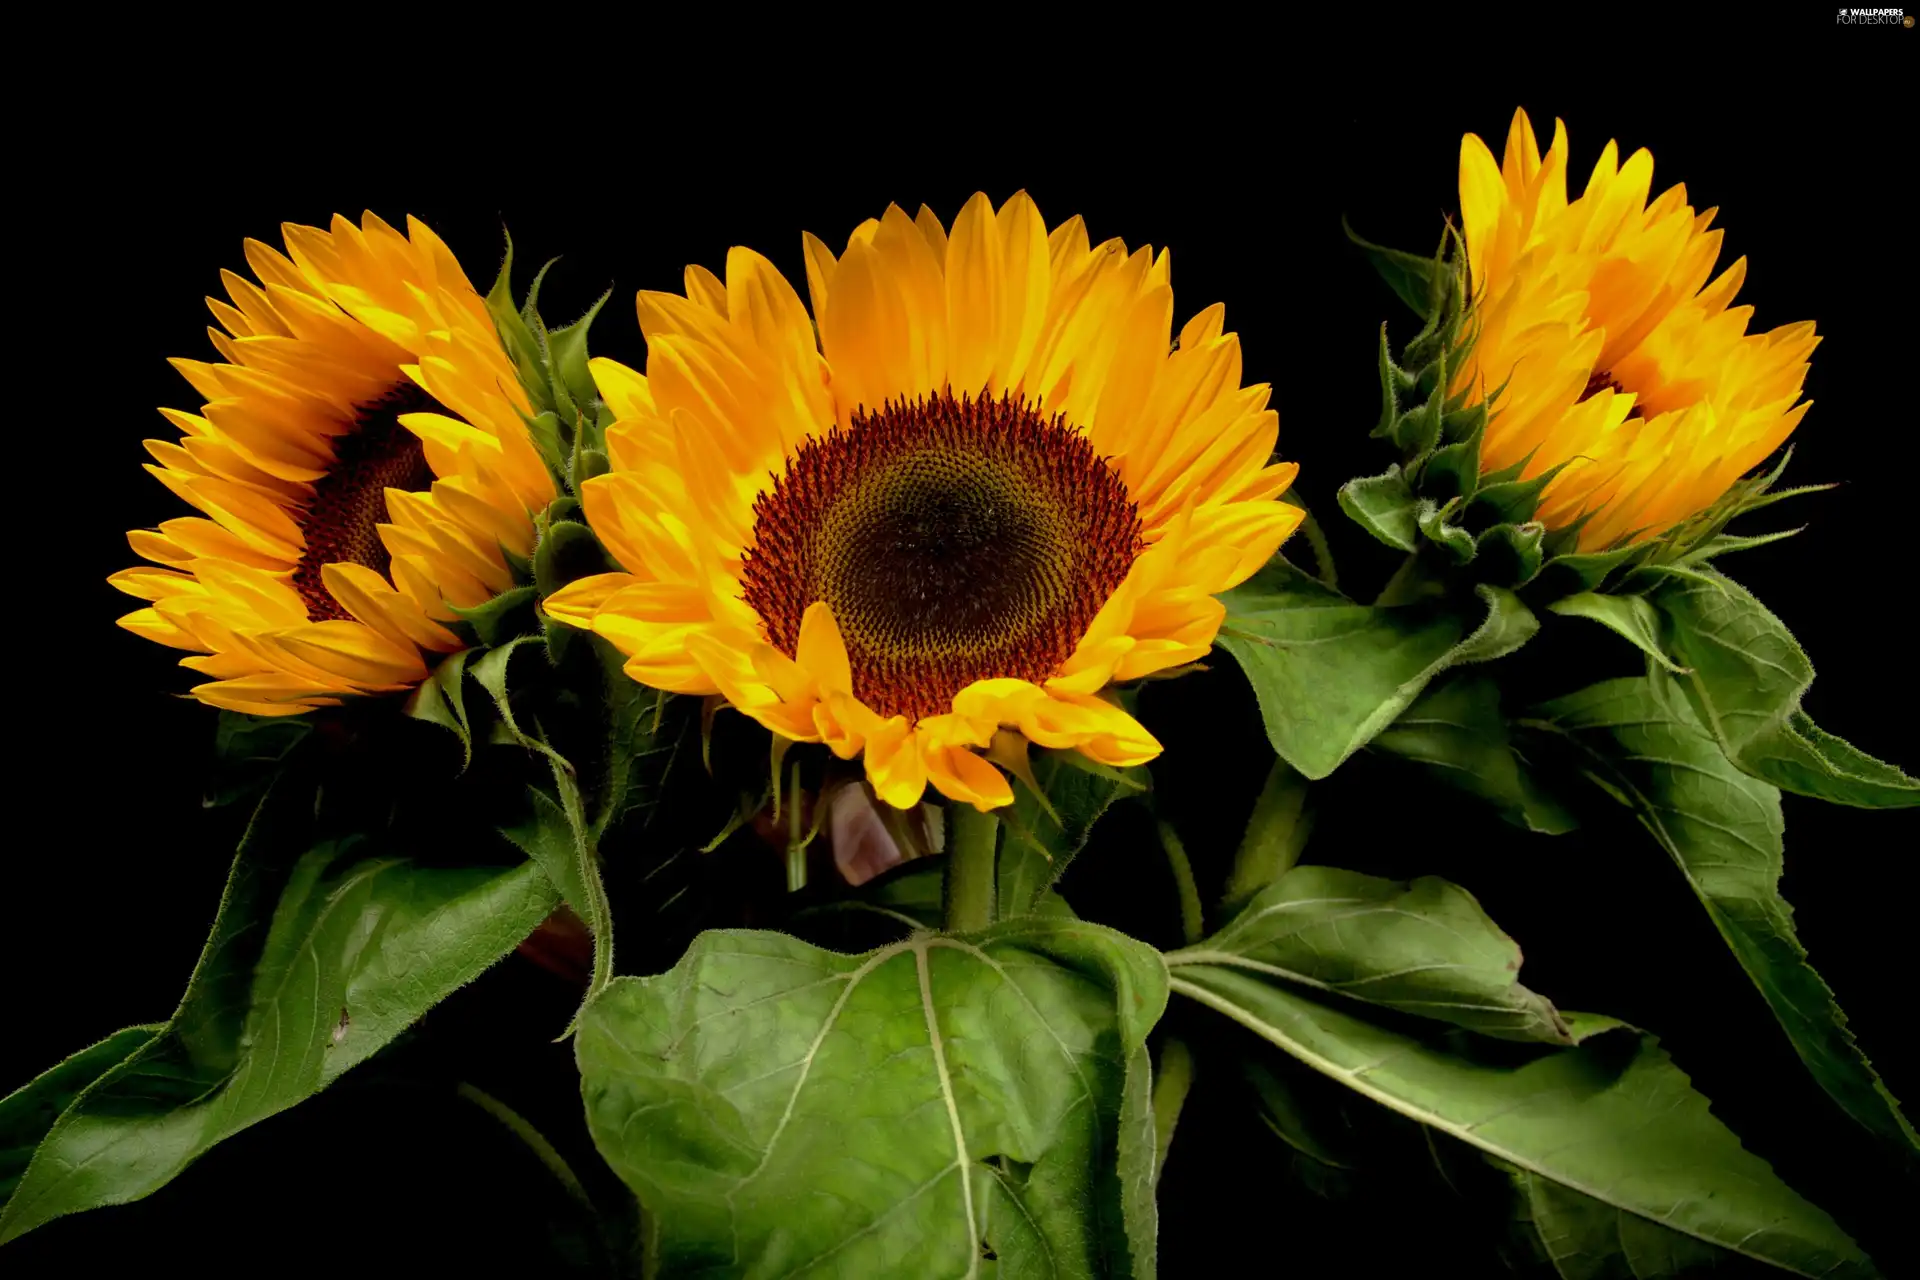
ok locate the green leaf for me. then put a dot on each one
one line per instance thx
(1612, 1118)
(1581, 1238)
(1425, 948)
(248, 751)
(1628, 616)
(1330, 674)
(441, 700)
(30, 1111)
(1044, 829)
(1748, 676)
(1724, 831)
(1383, 505)
(1456, 729)
(320, 955)
(779, 1108)
(490, 671)
(553, 834)
(1322, 1152)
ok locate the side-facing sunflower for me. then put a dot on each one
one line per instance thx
(995, 485)
(1605, 347)
(361, 461)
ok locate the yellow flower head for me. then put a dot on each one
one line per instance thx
(994, 486)
(361, 462)
(1604, 346)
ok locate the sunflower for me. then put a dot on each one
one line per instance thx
(1604, 347)
(362, 463)
(993, 487)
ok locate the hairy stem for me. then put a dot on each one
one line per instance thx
(1192, 924)
(1276, 833)
(970, 881)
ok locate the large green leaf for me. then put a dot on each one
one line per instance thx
(1425, 948)
(1612, 1119)
(1330, 674)
(782, 1109)
(30, 1111)
(1456, 729)
(1724, 831)
(1050, 819)
(1580, 1238)
(317, 959)
(1748, 676)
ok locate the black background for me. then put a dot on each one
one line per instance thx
(113, 872)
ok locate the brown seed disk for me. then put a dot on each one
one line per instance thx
(956, 540)
(377, 455)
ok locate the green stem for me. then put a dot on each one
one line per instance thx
(970, 848)
(1192, 925)
(1276, 834)
(796, 847)
(1170, 1086)
(534, 1140)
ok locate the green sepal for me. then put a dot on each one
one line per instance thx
(1628, 616)
(1511, 500)
(1452, 471)
(1383, 505)
(501, 619)
(587, 463)
(544, 428)
(1436, 527)
(567, 349)
(1511, 554)
(521, 346)
(567, 551)
(1413, 279)
(1574, 572)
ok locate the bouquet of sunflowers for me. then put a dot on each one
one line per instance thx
(900, 578)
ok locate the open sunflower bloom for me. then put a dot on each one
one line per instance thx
(1605, 347)
(994, 486)
(361, 462)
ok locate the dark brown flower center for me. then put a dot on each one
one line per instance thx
(1601, 380)
(377, 455)
(956, 540)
